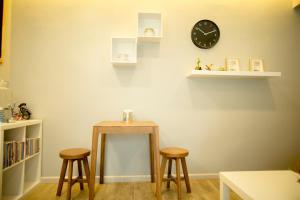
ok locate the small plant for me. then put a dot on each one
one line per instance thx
(198, 66)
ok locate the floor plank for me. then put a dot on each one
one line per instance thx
(201, 190)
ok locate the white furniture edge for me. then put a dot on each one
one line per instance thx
(238, 191)
(151, 39)
(226, 185)
(18, 124)
(231, 74)
(21, 124)
(123, 63)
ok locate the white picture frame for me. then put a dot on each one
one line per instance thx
(256, 65)
(232, 64)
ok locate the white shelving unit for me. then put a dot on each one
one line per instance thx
(124, 51)
(151, 21)
(296, 3)
(19, 178)
(231, 74)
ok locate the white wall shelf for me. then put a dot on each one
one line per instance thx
(123, 51)
(296, 3)
(150, 21)
(19, 178)
(230, 74)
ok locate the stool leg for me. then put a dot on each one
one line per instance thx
(102, 158)
(186, 175)
(162, 168)
(178, 178)
(62, 177)
(169, 172)
(70, 179)
(80, 173)
(86, 170)
(151, 151)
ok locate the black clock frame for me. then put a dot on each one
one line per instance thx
(211, 38)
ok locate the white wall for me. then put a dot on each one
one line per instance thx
(61, 68)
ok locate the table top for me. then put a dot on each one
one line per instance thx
(126, 124)
(262, 185)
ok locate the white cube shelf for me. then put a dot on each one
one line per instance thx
(22, 176)
(150, 21)
(124, 51)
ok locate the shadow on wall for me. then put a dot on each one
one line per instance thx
(230, 94)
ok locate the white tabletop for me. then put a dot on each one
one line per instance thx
(263, 185)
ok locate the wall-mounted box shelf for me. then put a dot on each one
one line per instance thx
(149, 27)
(19, 178)
(230, 74)
(296, 3)
(124, 51)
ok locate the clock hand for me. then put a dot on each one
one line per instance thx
(200, 30)
(210, 32)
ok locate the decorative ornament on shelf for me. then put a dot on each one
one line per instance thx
(24, 112)
(220, 68)
(232, 64)
(198, 66)
(149, 32)
(256, 65)
(208, 67)
(13, 114)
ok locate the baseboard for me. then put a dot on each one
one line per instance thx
(135, 178)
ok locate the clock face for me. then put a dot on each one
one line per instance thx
(205, 34)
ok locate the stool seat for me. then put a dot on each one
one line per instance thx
(174, 152)
(74, 154)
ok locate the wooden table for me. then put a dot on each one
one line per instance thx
(261, 185)
(114, 127)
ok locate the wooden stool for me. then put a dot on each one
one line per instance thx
(177, 154)
(71, 155)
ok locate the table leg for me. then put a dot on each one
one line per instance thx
(157, 162)
(93, 163)
(224, 191)
(151, 157)
(102, 157)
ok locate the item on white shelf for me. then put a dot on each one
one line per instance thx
(256, 65)
(123, 57)
(24, 112)
(3, 83)
(2, 118)
(207, 67)
(233, 64)
(11, 107)
(220, 68)
(149, 32)
(198, 66)
(127, 115)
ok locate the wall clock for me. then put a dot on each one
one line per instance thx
(205, 34)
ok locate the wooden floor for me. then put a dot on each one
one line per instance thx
(201, 190)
